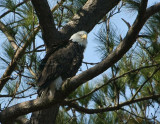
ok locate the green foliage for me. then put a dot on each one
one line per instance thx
(8, 50)
(99, 99)
(132, 5)
(20, 23)
(66, 11)
(10, 88)
(27, 16)
(107, 39)
(114, 88)
(63, 118)
(8, 4)
(81, 91)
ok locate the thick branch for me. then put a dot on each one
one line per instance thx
(93, 10)
(79, 21)
(29, 106)
(152, 10)
(49, 31)
(93, 111)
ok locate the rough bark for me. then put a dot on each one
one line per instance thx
(22, 120)
(88, 16)
(34, 105)
(46, 21)
(45, 116)
(112, 108)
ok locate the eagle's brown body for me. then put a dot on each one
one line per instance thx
(60, 65)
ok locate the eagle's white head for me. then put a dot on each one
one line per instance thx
(80, 37)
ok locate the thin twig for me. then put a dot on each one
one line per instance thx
(10, 38)
(7, 12)
(57, 5)
(112, 79)
(90, 63)
(135, 114)
(145, 83)
(16, 93)
(105, 109)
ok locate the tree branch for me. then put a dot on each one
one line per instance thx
(152, 10)
(11, 95)
(58, 5)
(10, 38)
(138, 90)
(7, 12)
(27, 107)
(114, 79)
(80, 21)
(22, 120)
(49, 31)
(113, 108)
(135, 114)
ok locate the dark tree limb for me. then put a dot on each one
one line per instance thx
(49, 31)
(27, 107)
(106, 109)
(73, 83)
(113, 79)
(93, 10)
(152, 10)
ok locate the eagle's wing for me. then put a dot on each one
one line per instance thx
(50, 72)
(62, 64)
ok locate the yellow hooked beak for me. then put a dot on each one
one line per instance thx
(84, 36)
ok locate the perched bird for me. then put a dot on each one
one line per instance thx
(62, 64)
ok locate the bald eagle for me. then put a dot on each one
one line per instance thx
(62, 64)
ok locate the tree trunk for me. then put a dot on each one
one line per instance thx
(45, 116)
